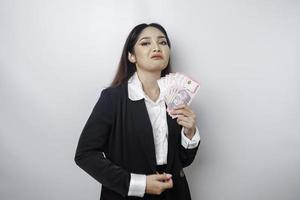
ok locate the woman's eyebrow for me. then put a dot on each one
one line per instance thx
(158, 37)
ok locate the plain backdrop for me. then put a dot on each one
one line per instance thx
(56, 56)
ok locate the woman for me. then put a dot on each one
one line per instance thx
(129, 143)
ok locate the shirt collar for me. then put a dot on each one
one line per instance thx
(135, 89)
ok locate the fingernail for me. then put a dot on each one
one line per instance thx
(169, 175)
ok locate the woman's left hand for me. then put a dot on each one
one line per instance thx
(186, 118)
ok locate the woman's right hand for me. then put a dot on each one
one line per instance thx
(157, 183)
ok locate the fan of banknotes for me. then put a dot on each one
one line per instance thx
(177, 89)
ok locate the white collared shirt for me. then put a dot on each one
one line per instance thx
(158, 117)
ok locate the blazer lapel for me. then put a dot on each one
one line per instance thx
(143, 129)
(172, 126)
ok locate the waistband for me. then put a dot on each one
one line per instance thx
(161, 168)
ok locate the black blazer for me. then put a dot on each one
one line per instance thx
(117, 140)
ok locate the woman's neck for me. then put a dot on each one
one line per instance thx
(149, 83)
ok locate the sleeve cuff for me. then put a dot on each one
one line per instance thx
(190, 144)
(137, 185)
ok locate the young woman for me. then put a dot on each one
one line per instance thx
(129, 143)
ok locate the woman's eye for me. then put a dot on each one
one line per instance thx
(145, 43)
(163, 42)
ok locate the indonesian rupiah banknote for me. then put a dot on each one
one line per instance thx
(177, 89)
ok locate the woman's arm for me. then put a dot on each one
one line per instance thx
(186, 118)
(187, 156)
(93, 139)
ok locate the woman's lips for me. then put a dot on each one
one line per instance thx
(156, 57)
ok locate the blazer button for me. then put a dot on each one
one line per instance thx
(181, 173)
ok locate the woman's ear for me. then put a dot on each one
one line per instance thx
(131, 57)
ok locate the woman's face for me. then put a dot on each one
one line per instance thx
(151, 51)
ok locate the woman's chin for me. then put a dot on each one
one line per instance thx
(160, 67)
(155, 67)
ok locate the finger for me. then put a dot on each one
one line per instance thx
(183, 106)
(162, 177)
(167, 184)
(165, 179)
(185, 124)
(185, 119)
(179, 106)
(189, 120)
(189, 110)
(181, 112)
(186, 110)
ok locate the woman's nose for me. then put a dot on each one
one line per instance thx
(156, 47)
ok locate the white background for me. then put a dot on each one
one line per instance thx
(56, 57)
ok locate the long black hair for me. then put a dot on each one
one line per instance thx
(126, 69)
